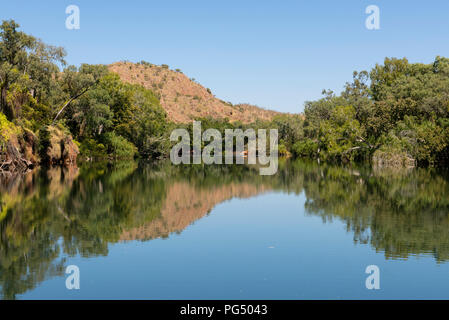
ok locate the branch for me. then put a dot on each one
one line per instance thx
(352, 149)
(70, 101)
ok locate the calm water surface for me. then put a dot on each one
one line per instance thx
(156, 231)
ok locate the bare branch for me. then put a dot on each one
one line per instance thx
(70, 101)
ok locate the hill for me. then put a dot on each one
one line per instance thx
(184, 99)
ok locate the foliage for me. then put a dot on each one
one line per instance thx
(396, 108)
(305, 148)
(106, 115)
(28, 74)
(119, 147)
(7, 129)
(90, 148)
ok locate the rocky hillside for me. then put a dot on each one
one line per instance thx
(183, 98)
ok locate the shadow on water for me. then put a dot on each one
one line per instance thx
(47, 215)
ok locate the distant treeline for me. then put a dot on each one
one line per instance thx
(396, 114)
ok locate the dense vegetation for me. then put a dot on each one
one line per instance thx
(103, 114)
(396, 114)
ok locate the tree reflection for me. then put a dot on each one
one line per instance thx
(48, 215)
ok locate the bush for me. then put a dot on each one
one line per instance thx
(91, 149)
(282, 150)
(119, 147)
(424, 140)
(7, 129)
(306, 148)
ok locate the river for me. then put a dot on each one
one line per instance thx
(159, 231)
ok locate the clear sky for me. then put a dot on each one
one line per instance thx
(276, 54)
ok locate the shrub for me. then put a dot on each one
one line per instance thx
(282, 150)
(306, 148)
(7, 128)
(91, 149)
(119, 147)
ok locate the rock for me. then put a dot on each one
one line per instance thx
(29, 146)
(23, 150)
(62, 149)
(14, 158)
(393, 159)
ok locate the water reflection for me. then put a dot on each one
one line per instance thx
(49, 214)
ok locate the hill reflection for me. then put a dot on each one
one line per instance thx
(48, 215)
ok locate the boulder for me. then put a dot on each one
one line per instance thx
(13, 157)
(393, 158)
(61, 147)
(29, 146)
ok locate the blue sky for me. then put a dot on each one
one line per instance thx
(276, 54)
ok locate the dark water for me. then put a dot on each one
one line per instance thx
(155, 231)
